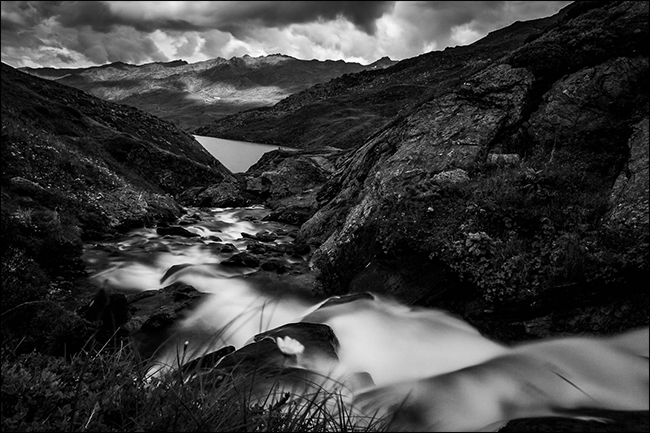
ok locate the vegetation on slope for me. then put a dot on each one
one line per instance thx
(76, 168)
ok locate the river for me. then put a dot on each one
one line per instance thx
(456, 379)
(241, 302)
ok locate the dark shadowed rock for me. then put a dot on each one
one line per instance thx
(264, 351)
(242, 259)
(592, 106)
(262, 236)
(228, 248)
(176, 231)
(207, 361)
(109, 310)
(629, 196)
(273, 266)
(314, 336)
(227, 193)
(154, 312)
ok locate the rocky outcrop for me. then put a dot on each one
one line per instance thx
(629, 196)
(438, 144)
(227, 193)
(588, 108)
(283, 173)
(154, 312)
(287, 181)
(501, 184)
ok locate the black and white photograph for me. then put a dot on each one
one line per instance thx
(325, 216)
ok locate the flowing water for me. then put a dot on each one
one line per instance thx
(443, 372)
(239, 302)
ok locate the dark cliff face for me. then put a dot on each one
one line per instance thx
(501, 194)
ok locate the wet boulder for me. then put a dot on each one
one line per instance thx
(176, 231)
(242, 259)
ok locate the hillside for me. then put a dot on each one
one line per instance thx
(191, 95)
(346, 111)
(77, 168)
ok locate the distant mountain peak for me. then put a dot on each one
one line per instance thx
(173, 63)
(280, 55)
(384, 62)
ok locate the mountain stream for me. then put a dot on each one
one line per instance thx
(446, 371)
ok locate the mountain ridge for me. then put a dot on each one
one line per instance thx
(305, 119)
(190, 94)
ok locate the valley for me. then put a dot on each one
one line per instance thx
(191, 95)
(502, 182)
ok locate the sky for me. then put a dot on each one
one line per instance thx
(75, 34)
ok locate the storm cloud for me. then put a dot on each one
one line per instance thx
(85, 33)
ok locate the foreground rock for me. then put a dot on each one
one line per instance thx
(155, 312)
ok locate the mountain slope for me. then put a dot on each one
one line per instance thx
(516, 194)
(191, 95)
(512, 189)
(346, 111)
(107, 165)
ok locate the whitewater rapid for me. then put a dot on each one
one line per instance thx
(440, 371)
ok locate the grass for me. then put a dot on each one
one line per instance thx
(111, 387)
(514, 233)
(108, 389)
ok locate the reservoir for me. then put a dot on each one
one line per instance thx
(237, 156)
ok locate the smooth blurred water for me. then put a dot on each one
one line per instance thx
(240, 302)
(237, 156)
(445, 374)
